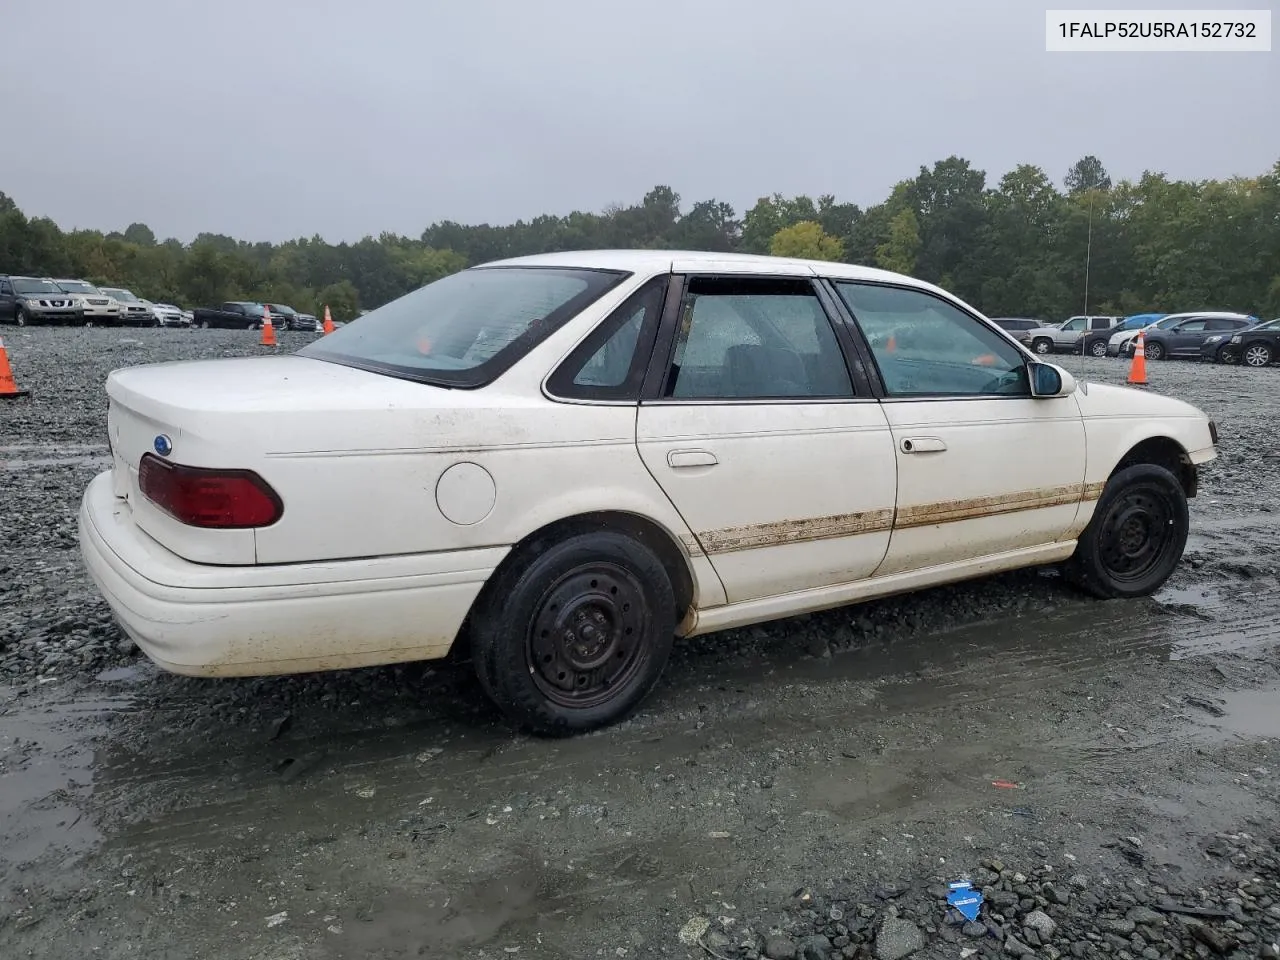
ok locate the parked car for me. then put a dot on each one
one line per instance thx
(1183, 336)
(1121, 342)
(30, 300)
(234, 315)
(1046, 340)
(98, 306)
(306, 322)
(1258, 345)
(169, 315)
(1219, 348)
(134, 311)
(1094, 343)
(594, 452)
(284, 317)
(1020, 327)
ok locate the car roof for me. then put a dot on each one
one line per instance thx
(654, 261)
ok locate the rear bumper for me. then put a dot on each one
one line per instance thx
(203, 620)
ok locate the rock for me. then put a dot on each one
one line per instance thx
(1079, 949)
(1016, 948)
(1218, 942)
(1056, 894)
(1141, 914)
(898, 938)
(1040, 923)
(779, 947)
(1001, 899)
(1269, 951)
(974, 929)
(817, 947)
(1121, 928)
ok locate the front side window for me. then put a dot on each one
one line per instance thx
(925, 346)
(1075, 323)
(755, 338)
(1192, 326)
(466, 328)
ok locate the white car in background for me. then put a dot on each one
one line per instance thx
(562, 462)
(170, 316)
(99, 307)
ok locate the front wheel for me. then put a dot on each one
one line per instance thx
(1154, 351)
(22, 317)
(575, 635)
(1257, 355)
(1042, 345)
(1228, 355)
(1136, 536)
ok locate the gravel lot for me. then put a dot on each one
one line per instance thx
(1106, 773)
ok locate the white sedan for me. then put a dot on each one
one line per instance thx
(560, 463)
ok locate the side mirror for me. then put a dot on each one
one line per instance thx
(1050, 380)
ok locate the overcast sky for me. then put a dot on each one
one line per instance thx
(281, 118)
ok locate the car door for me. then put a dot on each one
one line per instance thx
(1070, 331)
(983, 467)
(8, 301)
(778, 457)
(1185, 338)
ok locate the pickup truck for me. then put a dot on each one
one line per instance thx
(232, 315)
(1063, 336)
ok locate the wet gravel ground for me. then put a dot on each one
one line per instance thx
(1104, 773)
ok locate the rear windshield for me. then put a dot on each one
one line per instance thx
(465, 329)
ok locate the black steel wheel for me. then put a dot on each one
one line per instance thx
(1136, 536)
(572, 635)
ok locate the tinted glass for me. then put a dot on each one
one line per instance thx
(35, 287)
(753, 338)
(462, 329)
(925, 346)
(1191, 326)
(605, 366)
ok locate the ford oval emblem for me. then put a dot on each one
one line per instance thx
(163, 445)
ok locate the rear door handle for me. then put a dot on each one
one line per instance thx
(923, 445)
(691, 458)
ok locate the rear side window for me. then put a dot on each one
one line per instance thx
(610, 363)
(755, 338)
(467, 328)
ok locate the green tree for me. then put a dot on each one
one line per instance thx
(1087, 173)
(140, 234)
(899, 252)
(342, 299)
(807, 241)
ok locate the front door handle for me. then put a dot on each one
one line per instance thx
(923, 445)
(691, 458)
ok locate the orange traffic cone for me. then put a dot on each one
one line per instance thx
(1138, 369)
(892, 345)
(8, 386)
(268, 331)
(328, 320)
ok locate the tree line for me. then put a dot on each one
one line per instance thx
(1019, 247)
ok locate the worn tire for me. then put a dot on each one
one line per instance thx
(1042, 346)
(1137, 503)
(551, 589)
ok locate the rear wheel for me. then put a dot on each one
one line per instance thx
(1098, 348)
(1042, 345)
(575, 634)
(1154, 351)
(1136, 536)
(1256, 355)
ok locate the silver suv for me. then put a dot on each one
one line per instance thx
(1063, 336)
(98, 306)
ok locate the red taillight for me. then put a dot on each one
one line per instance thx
(203, 497)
